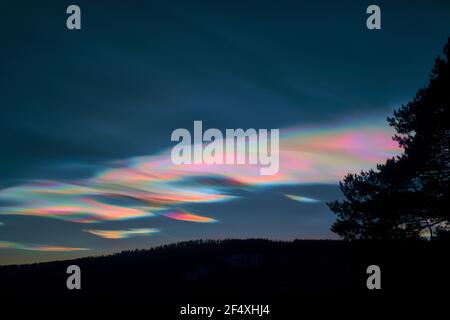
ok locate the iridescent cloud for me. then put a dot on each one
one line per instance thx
(122, 234)
(15, 245)
(301, 199)
(157, 186)
(186, 216)
(69, 207)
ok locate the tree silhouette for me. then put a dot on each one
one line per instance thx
(407, 196)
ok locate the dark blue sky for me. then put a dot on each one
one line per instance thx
(73, 102)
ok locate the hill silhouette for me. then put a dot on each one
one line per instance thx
(249, 270)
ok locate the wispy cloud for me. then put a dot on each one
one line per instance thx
(122, 234)
(301, 198)
(186, 216)
(15, 245)
(158, 187)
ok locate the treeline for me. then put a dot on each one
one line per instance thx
(238, 269)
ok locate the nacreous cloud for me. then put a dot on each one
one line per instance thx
(302, 199)
(122, 234)
(158, 187)
(15, 245)
(186, 216)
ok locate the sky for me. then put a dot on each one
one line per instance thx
(86, 116)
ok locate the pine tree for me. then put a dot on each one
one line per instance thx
(407, 196)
